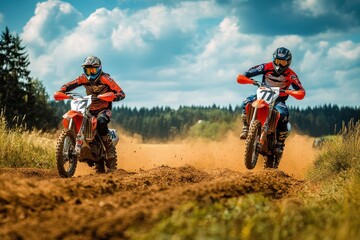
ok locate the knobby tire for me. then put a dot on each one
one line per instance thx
(251, 151)
(61, 159)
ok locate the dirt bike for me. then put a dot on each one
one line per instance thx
(262, 120)
(79, 140)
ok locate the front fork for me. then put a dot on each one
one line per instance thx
(79, 137)
(264, 129)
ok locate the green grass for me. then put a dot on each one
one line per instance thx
(339, 156)
(23, 148)
(257, 217)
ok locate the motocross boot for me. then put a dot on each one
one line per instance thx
(280, 143)
(245, 128)
(110, 152)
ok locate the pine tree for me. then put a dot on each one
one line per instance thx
(14, 75)
(22, 99)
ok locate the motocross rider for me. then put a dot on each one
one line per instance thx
(275, 74)
(97, 82)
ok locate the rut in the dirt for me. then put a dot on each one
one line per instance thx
(104, 206)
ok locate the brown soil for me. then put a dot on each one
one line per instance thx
(153, 180)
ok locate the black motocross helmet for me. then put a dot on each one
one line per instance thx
(281, 59)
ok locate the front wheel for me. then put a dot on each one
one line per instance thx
(251, 149)
(111, 164)
(66, 158)
(100, 166)
(272, 161)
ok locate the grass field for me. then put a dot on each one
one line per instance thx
(20, 147)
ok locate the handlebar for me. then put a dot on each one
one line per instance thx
(298, 94)
(108, 97)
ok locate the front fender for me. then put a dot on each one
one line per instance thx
(77, 118)
(262, 110)
(260, 103)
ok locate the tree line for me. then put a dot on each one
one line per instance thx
(165, 123)
(23, 100)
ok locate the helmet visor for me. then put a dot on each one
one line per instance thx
(281, 62)
(91, 70)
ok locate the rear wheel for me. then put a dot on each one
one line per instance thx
(252, 140)
(66, 158)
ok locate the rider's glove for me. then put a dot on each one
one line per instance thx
(119, 96)
(63, 89)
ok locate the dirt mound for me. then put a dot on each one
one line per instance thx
(104, 206)
(153, 180)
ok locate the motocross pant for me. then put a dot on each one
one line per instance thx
(283, 123)
(103, 118)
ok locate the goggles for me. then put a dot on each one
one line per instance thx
(91, 70)
(283, 63)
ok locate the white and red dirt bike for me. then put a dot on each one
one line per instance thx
(262, 120)
(79, 140)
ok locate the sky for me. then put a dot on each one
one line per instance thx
(189, 53)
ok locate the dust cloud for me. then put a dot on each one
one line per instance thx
(133, 155)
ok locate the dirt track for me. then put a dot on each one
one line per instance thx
(153, 180)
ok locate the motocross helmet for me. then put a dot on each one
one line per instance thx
(281, 59)
(92, 68)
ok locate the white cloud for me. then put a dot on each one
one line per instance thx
(158, 22)
(346, 50)
(139, 49)
(154, 21)
(291, 42)
(187, 13)
(226, 48)
(323, 44)
(51, 20)
(101, 33)
(330, 70)
(128, 38)
(311, 7)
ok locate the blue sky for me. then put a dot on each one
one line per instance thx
(172, 53)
